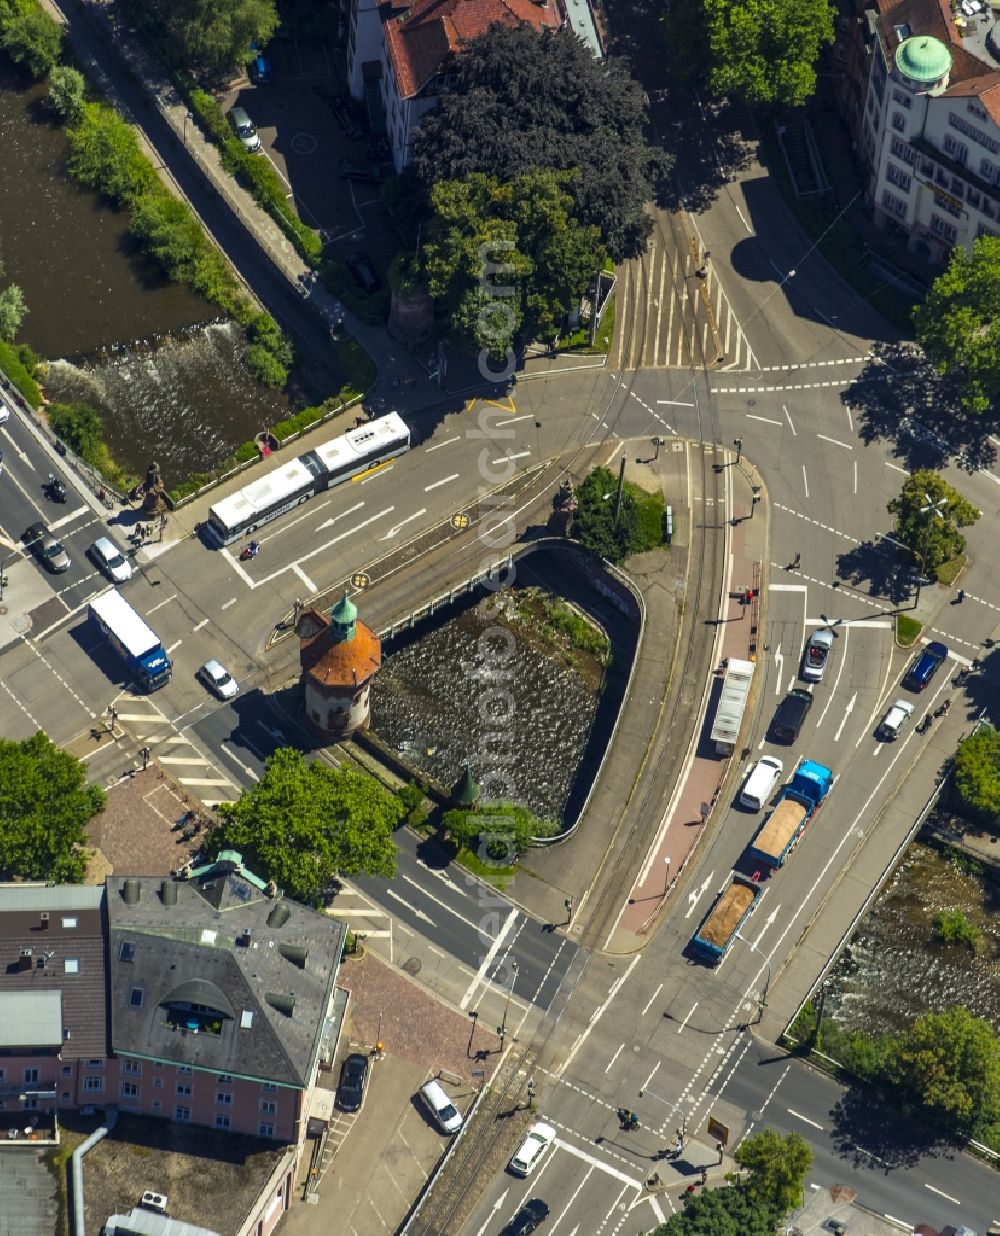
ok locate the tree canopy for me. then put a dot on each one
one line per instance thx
(929, 513)
(524, 101)
(12, 309)
(949, 1063)
(499, 831)
(204, 34)
(29, 35)
(776, 1168)
(639, 525)
(505, 260)
(761, 51)
(45, 804)
(977, 774)
(958, 323)
(720, 1212)
(304, 823)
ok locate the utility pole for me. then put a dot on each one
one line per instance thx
(621, 486)
(754, 499)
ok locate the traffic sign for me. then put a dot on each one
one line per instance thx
(718, 1130)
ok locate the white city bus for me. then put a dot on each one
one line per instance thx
(337, 460)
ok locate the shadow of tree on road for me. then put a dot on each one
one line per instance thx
(868, 1134)
(888, 573)
(899, 398)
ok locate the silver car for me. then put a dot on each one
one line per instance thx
(816, 655)
(244, 129)
(111, 560)
(894, 720)
(218, 680)
(49, 550)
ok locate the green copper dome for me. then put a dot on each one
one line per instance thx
(343, 617)
(923, 59)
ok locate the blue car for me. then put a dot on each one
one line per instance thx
(925, 666)
(260, 69)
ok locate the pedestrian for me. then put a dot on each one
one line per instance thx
(796, 560)
(961, 595)
(704, 1176)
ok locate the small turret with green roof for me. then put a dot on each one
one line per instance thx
(343, 619)
(923, 59)
(465, 791)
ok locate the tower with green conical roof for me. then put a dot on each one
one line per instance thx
(465, 791)
(340, 657)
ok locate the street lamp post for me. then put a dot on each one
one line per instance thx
(187, 117)
(666, 874)
(682, 1131)
(754, 498)
(738, 443)
(762, 998)
(112, 718)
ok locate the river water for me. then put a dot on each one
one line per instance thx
(432, 702)
(895, 969)
(143, 351)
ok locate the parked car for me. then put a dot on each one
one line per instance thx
(244, 129)
(218, 680)
(363, 272)
(353, 1079)
(259, 70)
(927, 664)
(48, 550)
(527, 1218)
(4, 413)
(790, 715)
(526, 1157)
(356, 169)
(894, 720)
(109, 558)
(816, 655)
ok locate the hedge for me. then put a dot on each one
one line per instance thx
(15, 369)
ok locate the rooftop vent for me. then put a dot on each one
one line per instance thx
(243, 939)
(24, 959)
(246, 1019)
(168, 893)
(279, 916)
(295, 953)
(283, 1003)
(45, 918)
(131, 890)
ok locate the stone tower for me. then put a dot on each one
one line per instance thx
(340, 657)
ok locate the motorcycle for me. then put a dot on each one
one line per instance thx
(55, 488)
(249, 551)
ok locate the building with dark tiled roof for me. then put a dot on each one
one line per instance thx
(204, 997)
(919, 83)
(400, 52)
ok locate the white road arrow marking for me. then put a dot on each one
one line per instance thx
(696, 896)
(497, 1207)
(424, 918)
(847, 712)
(350, 511)
(277, 735)
(402, 524)
(779, 661)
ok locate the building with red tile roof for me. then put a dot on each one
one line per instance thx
(340, 657)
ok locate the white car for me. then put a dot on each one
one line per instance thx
(111, 560)
(894, 720)
(540, 1137)
(816, 655)
(4, 412)
(218, 680)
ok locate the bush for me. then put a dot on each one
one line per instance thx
(977, 775)
(339, 282)
(639, 525)
(30, 36)
(952, 927)
(12, 364)
(80, 426)
(67, 89)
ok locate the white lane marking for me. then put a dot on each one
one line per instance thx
(645, 1084)
(613, 1059)
(206, 781)
(318, 550)
(941, 1193)
(297, 570)
(896, 468)
(585, 1034)
(514, 419)
(688, 1017)
(833, 442)
(394, 530)
(350, 511)
(766, 419)
(651, 999)
(226, 604)
(22, 455)
(572, 1198)
(375, 475)
(236, 760)
(199, 625)
(437, 484)
(160, 604)
(487, 961)
(183, 759)
(601, 1167)
(805, 1119)
(774, 1089)
(676, 403)
(805, 480)
(855, 475)
(696, 894)
(447, 442)
(789, 420)
(509, 458)
(437, 901)
(176, 644)
(847, 712)
(424, 918)
(66, 519)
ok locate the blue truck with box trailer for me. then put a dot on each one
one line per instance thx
(132, 639)
(797, 803)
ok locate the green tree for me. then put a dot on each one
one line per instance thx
(525, 101)
(776, 1168)
(506, 260)
(958, 323)
(105, 155)
(639, 525)
(205, 34)
(949, 1063)
(12, 311)
(721, 1212)
(928, 514)
(67, 89)
(304, 824)
(977, 774)
(765, 51)
(78, 424)
(30, 36)
(499, 832)
(45, 804)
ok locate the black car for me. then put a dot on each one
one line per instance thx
(790, 715)
(364, 272)
(353, 1078)
(527, 1218)
(357, 169)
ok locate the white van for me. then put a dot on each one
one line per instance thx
(763, 777)
(446, 1115)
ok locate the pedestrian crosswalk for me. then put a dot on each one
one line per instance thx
(671, 310)
(175, 752)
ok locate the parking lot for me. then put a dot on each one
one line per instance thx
(294, 114)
